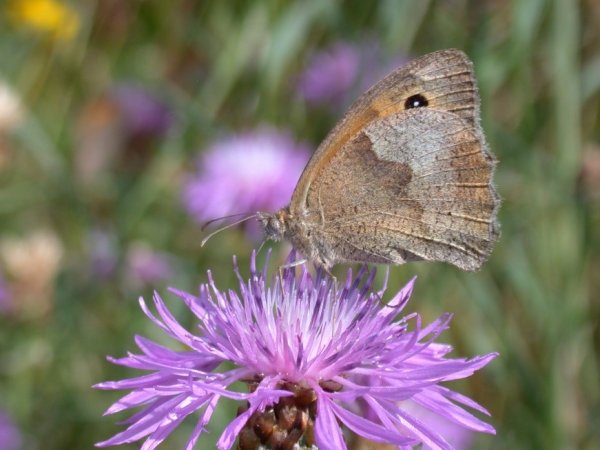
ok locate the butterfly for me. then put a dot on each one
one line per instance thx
(406, 175)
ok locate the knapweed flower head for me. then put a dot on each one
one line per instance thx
(252, 171)
(103, 253)
(146, 266)
(5, 296)
(339, 73)
(143, 112)
(317, 356)
(330, 74)
(10, 435)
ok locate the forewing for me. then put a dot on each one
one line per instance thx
(444, 77)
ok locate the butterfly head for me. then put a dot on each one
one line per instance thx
(275, 225)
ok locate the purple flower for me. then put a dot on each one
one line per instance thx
(338, 74)
(5, 296)
(10, 436)
(103, 253)
(144, 114)
(458, 436)
(146, 266)
(313, 353)
(248, 172)
(330, 74)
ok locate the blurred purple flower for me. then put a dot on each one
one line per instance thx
(341, 72)
(146, 266)
(309, 350)
(330, 74)
(5, 296)
(251, 171)
(103, 253)
(144, 114)
(10, 436)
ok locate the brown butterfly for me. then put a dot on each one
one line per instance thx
(406, 175)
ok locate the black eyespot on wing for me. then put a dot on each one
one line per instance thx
(415, 101)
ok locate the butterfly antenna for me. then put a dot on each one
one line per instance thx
(208, 222)
(218, 230)
(262, 244)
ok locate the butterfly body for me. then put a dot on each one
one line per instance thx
(406, 175)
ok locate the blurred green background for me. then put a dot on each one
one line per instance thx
(86, 198)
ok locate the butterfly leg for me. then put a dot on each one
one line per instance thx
(290, 265)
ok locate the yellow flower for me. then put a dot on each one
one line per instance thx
(48, 16)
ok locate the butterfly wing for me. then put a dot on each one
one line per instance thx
(393, 183)
(413, 185)
(445, 77)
